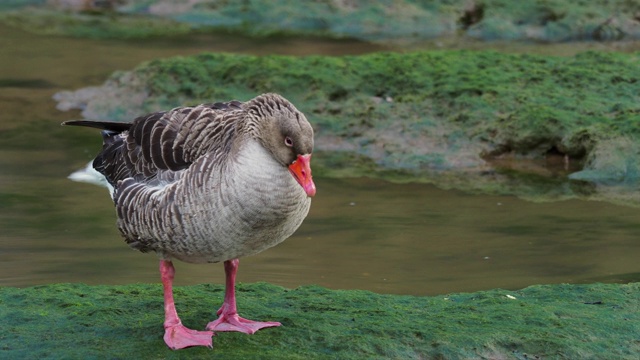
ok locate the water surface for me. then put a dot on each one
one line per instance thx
(360, 234)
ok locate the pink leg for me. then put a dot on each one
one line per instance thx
(176, 336)
(229, 319)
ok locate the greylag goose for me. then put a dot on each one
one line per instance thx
(205, 184)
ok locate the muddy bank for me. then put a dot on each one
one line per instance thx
(459, 119)
(401, 21)
(549, 321)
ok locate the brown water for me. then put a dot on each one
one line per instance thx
(360, 234)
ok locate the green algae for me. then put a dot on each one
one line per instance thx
(93, 25)
(522, 103)
(423, 116)
(555, 20)
(547, 321)
(381, 21)
(17, 4)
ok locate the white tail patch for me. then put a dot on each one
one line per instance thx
(89, 175)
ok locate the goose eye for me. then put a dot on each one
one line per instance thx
(288, 141)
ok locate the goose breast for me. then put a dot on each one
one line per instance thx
(251, 204)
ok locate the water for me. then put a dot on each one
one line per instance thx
(360, 234)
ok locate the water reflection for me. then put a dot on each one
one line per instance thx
(361, 233)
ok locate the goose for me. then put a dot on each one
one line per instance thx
(204, 184)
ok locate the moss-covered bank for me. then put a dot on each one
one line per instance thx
(396, 21)
(75, 321)
(444, 117)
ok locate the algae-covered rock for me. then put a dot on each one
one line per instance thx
(381, 21)
(97, 25)
(75, 321)
(439, 116)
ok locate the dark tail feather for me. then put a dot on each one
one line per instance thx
(117, 127)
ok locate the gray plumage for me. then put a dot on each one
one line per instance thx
(207, 183)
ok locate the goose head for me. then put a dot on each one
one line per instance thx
(286, 133)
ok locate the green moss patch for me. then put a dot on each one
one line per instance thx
(99, 25)
(428, 116)
(552, 322)
(382, 21)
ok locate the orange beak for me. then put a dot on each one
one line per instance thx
(301, 171)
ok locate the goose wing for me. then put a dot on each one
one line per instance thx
(164, 143)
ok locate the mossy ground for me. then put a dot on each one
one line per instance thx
(93, 25)
(552, 322)
(386, 21)
(428, 116)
